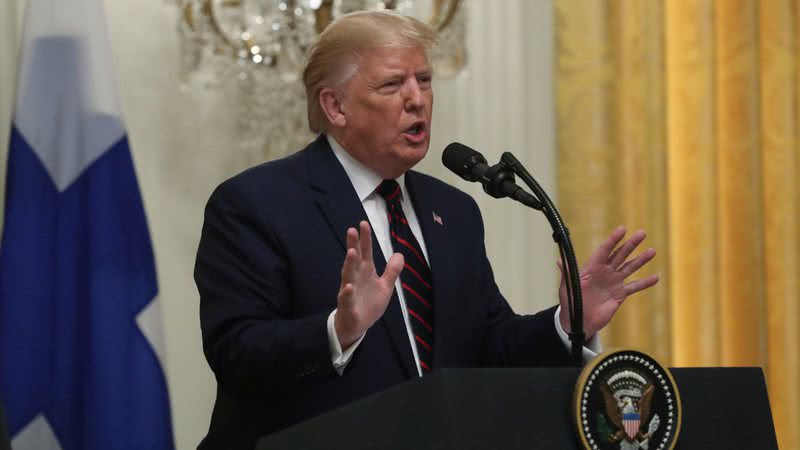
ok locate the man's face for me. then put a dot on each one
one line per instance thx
(387, 106)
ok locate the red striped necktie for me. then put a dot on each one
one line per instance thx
(415, 278)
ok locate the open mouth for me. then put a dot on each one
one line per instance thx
(416, 130)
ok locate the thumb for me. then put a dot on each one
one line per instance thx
(560, 264)
(393, 268)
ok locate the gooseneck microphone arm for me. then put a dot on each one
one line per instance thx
(561, 237)
(498, 181)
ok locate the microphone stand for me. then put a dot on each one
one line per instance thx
(561, 237)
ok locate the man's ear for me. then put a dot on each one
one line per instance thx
(332, 107)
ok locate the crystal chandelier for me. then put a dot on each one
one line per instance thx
(258, 47)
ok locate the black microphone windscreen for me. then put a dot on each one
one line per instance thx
(460, 159)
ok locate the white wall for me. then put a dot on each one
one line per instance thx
(185, 144)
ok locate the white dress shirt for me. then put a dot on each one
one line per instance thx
(365, 182)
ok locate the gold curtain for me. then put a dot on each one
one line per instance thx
(682, 117)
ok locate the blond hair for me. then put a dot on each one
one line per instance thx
(334, 58)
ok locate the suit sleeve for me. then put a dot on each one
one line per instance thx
(513, 340)
(250, 339)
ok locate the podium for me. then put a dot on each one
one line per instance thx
(4, 442)
(510, 409)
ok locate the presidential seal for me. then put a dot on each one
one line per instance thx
(625, 400)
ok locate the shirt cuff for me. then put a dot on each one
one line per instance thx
(339, 358)
(590, 348)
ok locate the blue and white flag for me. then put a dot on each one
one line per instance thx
(79, 365)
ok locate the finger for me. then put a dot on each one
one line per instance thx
(365, 241)
(635, 264)
(602, 253)
(352, 239)
(621, 254)
(349, 267)
(393, 268)
(639, 285)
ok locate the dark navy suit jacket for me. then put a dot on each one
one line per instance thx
(268, 272)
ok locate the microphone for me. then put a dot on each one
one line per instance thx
(497, 180)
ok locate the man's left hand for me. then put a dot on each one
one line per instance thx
(603, 283)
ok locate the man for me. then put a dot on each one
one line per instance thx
(304, 309)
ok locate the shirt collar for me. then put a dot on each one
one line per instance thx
(364, 179)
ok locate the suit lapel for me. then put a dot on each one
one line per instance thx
(339, 203)
(333, 192)
(438, 243)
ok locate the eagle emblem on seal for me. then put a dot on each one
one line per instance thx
(628, 396)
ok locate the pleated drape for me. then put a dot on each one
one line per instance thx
(681, 117)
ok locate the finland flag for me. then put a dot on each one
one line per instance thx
(79, 329)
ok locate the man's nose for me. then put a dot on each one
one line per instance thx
(413, 96)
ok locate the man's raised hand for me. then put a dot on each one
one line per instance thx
(363, 295)
(603, 283)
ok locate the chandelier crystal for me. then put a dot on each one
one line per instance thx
(258, 47)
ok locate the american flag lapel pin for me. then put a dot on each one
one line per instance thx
(437, 218)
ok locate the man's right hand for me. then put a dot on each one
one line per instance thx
(363, 295)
